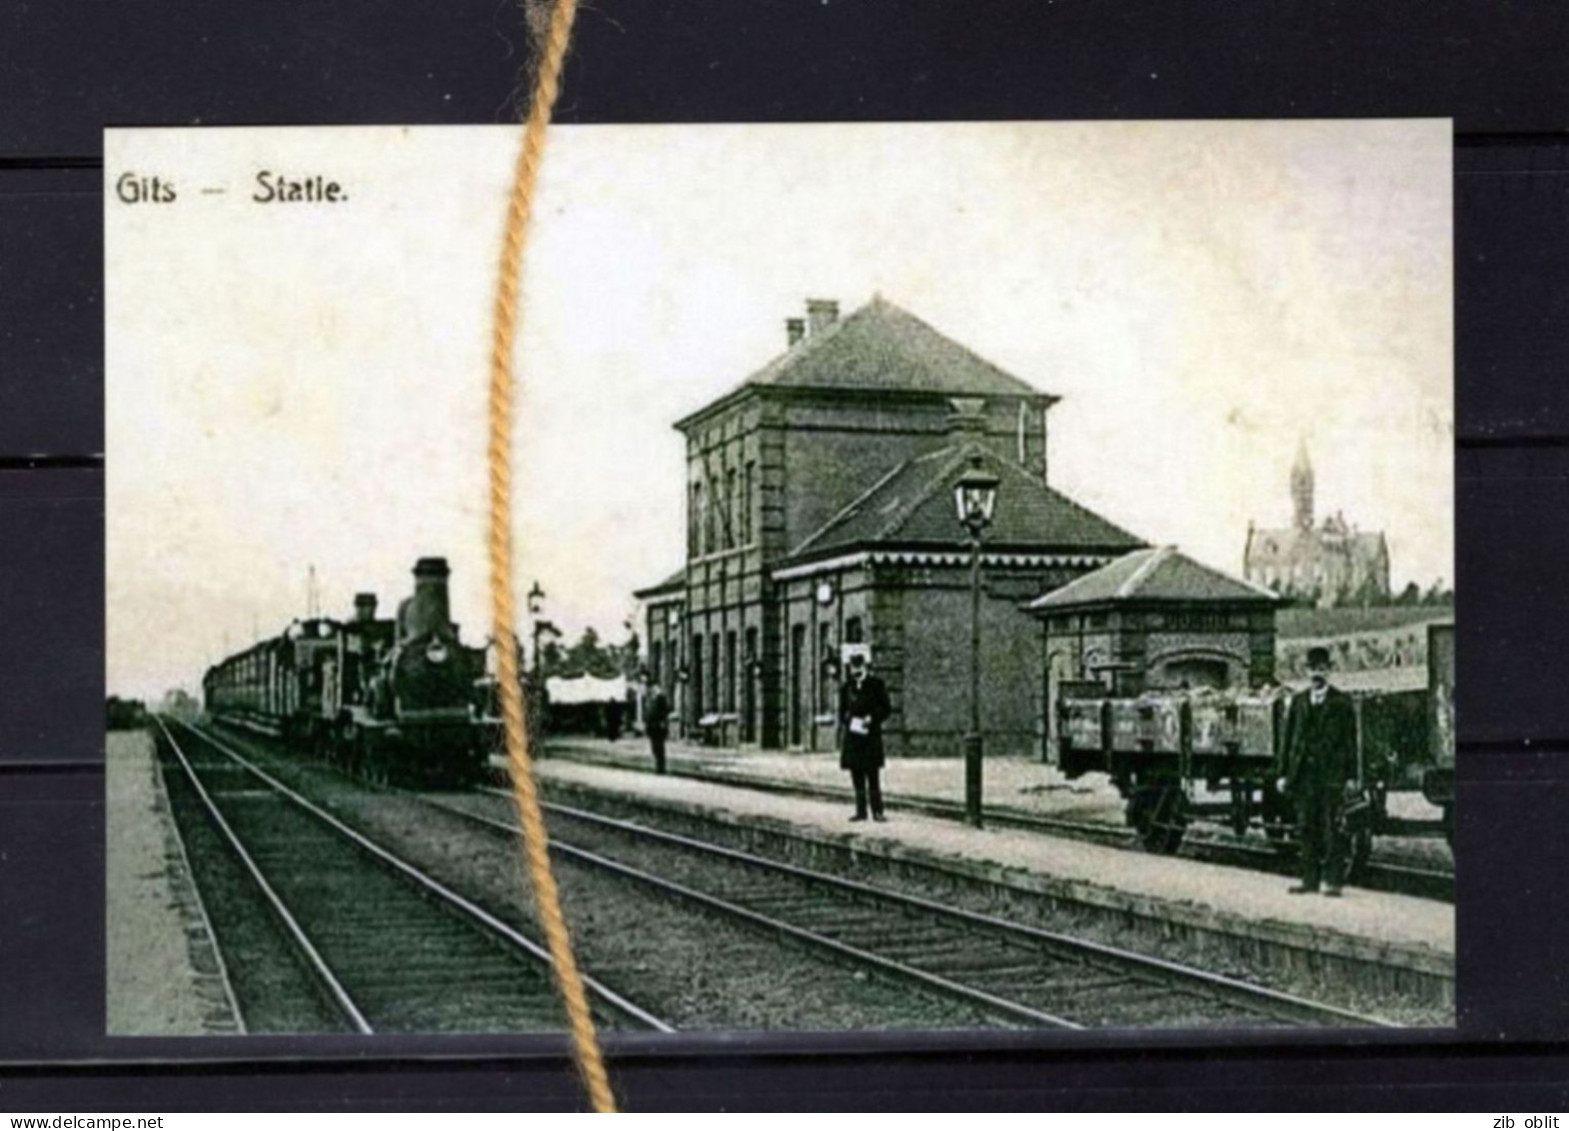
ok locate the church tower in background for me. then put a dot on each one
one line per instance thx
(1302, 487)
(1326, 563)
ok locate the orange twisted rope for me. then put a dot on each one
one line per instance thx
(547, 898)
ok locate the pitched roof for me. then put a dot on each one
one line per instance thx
(886, 348)
(1270, 545)
(913, 505)
(676, 580)
(1160, 574)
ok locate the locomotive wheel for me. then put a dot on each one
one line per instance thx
(345, 754)
(373, 761)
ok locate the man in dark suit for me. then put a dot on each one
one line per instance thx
(1321, 769)
(656, 723)
(863, 707)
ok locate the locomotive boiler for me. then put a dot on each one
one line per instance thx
(396, 700)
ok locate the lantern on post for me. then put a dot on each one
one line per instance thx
(975, 499)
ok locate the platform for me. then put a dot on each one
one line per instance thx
(163, 971)
(1248, 911)
(1013, 786)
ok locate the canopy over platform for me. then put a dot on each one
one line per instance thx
(585, 689)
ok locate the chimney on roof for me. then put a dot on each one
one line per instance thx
(821, 313)
(966, 417)
(795, 330)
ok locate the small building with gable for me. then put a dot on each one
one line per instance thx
(1155, 619)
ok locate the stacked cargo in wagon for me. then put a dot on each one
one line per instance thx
(1162, 677)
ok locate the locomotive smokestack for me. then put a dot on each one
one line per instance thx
(364, 607)
(428, 611)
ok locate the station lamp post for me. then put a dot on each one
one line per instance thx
(975, 497)
(536, 605)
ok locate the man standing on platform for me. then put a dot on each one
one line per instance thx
(656, 722)
(863, 706)
(1321, 763)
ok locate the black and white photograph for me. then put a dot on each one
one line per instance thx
(987, 575)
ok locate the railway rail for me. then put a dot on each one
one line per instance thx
(390, 947)
(1021, 975)
(1383, 876)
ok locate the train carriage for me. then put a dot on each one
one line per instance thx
(389, 699)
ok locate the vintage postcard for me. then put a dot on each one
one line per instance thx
(985, 575)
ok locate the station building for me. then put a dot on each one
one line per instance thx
(820, 518)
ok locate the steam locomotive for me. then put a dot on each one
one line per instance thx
(1180, 757)
(400, 700)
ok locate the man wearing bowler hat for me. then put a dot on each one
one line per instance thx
(1320, 770)
(863, 707)
(656, 721)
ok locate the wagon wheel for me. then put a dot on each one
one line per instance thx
(1163, 820)
(1358, 852)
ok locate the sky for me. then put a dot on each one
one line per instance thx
(299, 385)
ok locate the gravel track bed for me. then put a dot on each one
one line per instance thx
(275, 991)
(695, 969)
(1095, 994)
(409, 963)
(962, 893)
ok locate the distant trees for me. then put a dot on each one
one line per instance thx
(180, 704)
(1414, 596)
(1369, 595)
(590, 656)
(126, 714)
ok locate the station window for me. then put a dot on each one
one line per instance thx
(748, 488)
(730, 509)
(710, 528)
(695, 673)
(824, 673)
(853, 633)
(730, 670)
(694, 523)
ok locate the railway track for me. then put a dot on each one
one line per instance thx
(1398, 879)
(390, 948)
(1021, 975)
